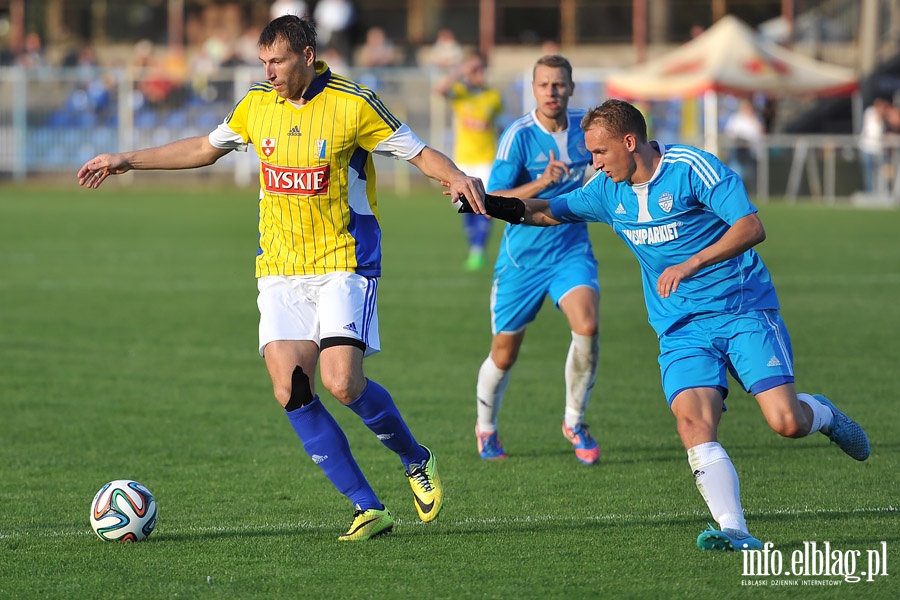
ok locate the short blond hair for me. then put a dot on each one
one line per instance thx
(618, 117)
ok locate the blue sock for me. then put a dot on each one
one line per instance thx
(477, 229)
(377, 410)
(326, 444)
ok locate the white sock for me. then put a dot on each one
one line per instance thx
(718, 484)
(581, 373)
(489, 394)
(823, 418)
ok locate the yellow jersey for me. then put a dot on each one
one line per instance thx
(475, 114)
(317, 205)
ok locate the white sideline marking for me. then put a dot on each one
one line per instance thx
(310, 526)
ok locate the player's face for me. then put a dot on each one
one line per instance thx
(552, 89)
(473, 71)
(288, 73)
(614, 155)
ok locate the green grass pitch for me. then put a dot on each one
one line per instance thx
(128, 350)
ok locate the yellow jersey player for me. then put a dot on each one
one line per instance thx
(476, 109)
(319, 256)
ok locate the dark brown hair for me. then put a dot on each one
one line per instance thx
(297, 32)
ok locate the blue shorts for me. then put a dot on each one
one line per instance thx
(754, 347)
(518, 293)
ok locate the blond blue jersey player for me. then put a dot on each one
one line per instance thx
(542, 154)
(709, 297)
(319, 258)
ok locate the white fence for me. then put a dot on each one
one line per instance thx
(53, 120)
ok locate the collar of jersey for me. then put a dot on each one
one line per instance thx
(318, 84)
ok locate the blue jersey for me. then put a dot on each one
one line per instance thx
(522, 156)
(688, 204)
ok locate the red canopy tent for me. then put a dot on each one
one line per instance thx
(732, 58)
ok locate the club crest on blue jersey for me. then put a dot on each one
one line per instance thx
(666, 200)
(268, 146)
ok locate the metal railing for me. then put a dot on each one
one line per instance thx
(53, 120)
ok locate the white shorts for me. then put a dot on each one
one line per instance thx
(317, 307)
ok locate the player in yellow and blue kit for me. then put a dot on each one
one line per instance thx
(319, 256)
(709, 297)
(476, 109)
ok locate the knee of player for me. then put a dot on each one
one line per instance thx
(788, 424)
(504, 360)
(587, 328)
(691, 429)
(342, 388)
(282, 394)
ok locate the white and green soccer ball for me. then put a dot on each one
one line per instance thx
(123, 511)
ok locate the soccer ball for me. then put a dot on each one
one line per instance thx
(123, 511)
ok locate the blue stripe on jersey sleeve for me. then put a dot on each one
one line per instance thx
(509, 136)
(341, 84)
(559, 206)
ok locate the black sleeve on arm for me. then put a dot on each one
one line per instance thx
(511, 210)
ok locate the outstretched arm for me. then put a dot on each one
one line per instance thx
(439, 167)
(531, 211)
(188, 153)
(744, 234)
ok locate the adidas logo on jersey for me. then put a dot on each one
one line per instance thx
(318, 458)
(541, 157)
(295, 130)
(351, 327)
(620, 210)
(774, 362)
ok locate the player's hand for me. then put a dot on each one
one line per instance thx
(555, 171)
(95, 171)
(472, 188)
(668, 282)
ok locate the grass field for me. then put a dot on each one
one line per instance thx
(127, 350)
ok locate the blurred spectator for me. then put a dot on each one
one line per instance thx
(91, 101)
(84, 59)
(246, 49)
(157, 79)
(873, 157)
(32, 55)
(446, 53)
(550, 48)
(334, 22)
(892, 120)
(769, 113)
(378, 51)
(280, 8)
(745, 130)
(334, 60)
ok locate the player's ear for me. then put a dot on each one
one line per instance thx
(309, 55)
(630, 142)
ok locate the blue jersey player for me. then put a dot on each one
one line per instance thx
(542, 154)
(709, 297)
